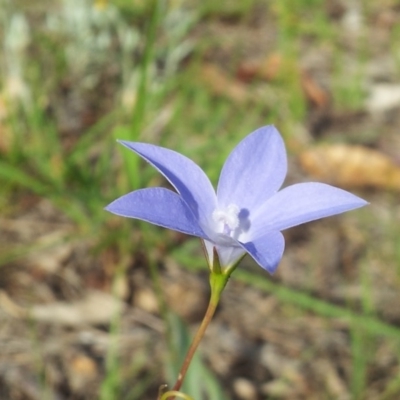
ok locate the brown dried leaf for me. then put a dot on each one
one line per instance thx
(270, 68)
(247, 71)
(351, 166)
(266, 69)
(220, 84)
(82, 371)
(313, 91)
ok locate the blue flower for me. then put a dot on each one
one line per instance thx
(247, 212)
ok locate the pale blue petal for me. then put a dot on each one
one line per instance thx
(254, 170)
(301, 203)
(267, 250)
(158, 206)
(228, 255)
(186, 176)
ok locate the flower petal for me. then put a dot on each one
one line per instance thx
(228, 255)
(267, 250)
(301, 203)
(254, 170)
(158, 206)
(186, 176)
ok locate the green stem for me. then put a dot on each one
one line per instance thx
(218, 281)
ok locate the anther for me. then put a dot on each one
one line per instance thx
(228, 218)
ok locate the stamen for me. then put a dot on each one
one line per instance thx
(228, 218)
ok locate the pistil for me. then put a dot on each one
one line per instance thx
(227, 219)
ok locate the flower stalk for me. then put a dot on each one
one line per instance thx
(218, 281)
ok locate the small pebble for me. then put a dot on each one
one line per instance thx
(245, 389)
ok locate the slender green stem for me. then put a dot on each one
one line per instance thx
(217, 282)
(195, 343)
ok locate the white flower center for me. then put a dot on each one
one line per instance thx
(227, 220)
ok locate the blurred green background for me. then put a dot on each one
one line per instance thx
(93, 306)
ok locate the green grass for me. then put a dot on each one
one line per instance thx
(174, 108)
